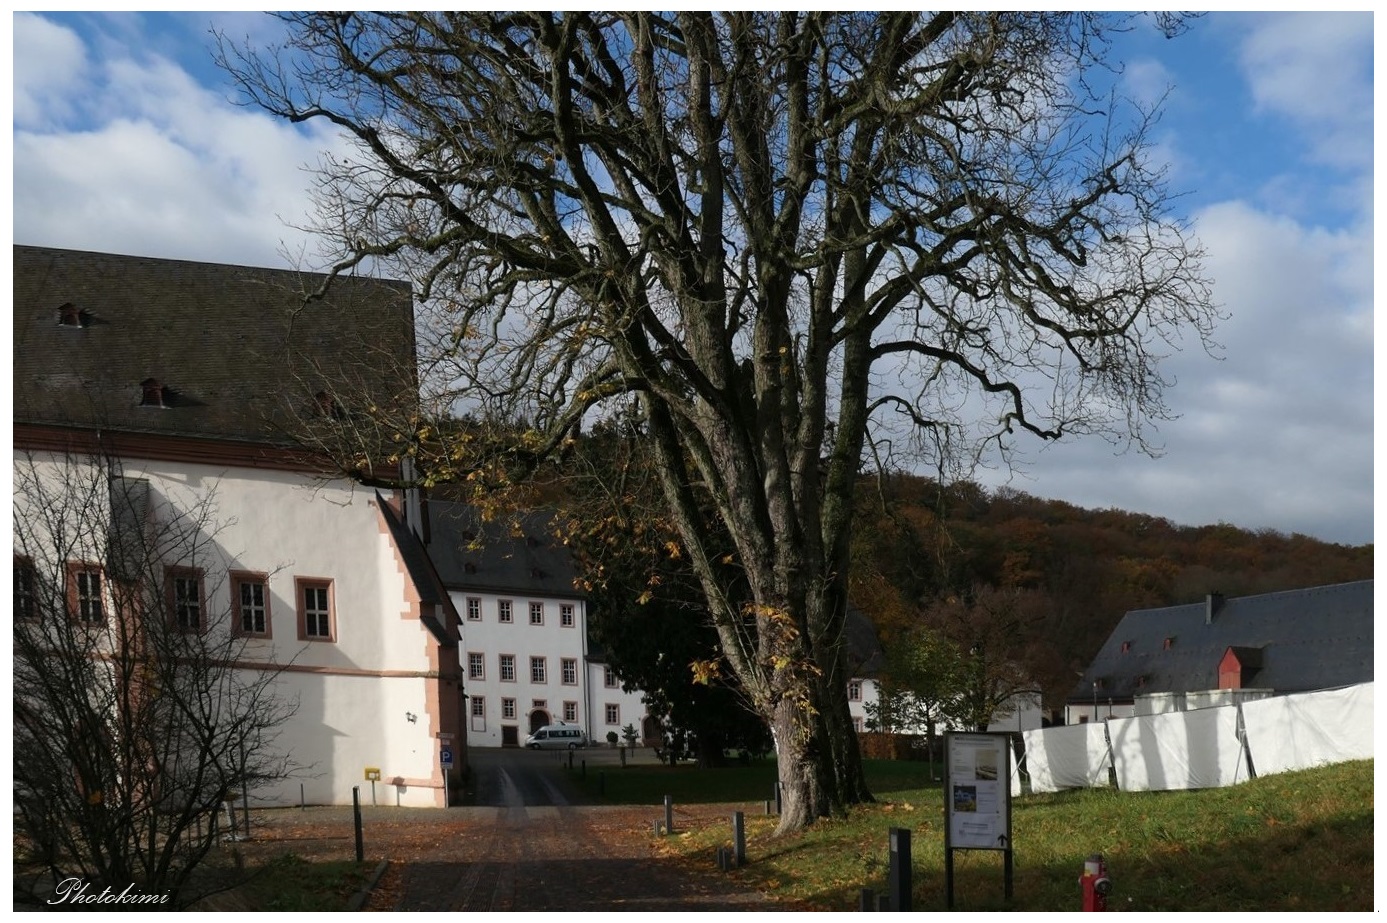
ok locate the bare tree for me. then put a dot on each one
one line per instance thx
(138, 710)
(797, 241)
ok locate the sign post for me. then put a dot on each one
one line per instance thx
(977, 799)
(373, 776)
(445, 759)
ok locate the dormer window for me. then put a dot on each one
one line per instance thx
(69, 315)
(154, 394)
(326, 406)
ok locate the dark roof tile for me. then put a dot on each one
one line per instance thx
(236, 348)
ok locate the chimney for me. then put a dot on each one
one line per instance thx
(1212, 604)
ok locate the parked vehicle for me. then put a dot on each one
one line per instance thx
(557, 737)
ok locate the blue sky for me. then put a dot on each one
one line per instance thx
(125, 140)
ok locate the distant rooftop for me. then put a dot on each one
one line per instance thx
(1298, 640)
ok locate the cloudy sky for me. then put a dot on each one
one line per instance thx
(126, 140)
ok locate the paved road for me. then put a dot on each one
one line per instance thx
(528, 846)
(532, 778)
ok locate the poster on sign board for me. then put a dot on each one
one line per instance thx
(977, 798)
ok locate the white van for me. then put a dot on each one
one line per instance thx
(557, 737)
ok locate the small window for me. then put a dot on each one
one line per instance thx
(250, 597)
(566, 615)
(613, 713)
(507, 668)
(508, 708)
(316, 617)
(154, 394)
(855, 691)
(183, 589)
(857, 723)
(476, 666)
(69, 315)
(609, 677)
(570, 711)
(570, 671)
(84, 596)
(1169, 643)
(478, 706)
(327, 406)
(538, 670)
(474, 609)
(536, 613)
(1126, 646)
(25, 606)
(504, 609)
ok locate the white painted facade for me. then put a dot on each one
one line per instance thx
(523, 665)
(370, 693)
(613, 709)
(1025, 716)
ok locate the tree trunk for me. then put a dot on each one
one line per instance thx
(801, 768)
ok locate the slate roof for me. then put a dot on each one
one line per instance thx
(1316, 638)
(534, 562)
(520, 557)
(239, 354)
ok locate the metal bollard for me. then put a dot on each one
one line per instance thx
(669, 814)
(356, 814)
(898, 877)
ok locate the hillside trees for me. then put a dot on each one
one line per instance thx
(133, 719)
(795, 244)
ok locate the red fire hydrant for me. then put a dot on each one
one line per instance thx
(1096, 884)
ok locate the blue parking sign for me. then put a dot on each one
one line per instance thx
(445, 756)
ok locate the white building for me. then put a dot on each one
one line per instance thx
(185, 379)
(525, 652)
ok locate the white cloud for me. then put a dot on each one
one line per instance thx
(1146, 81)
(166, 167)
(1278, 434)
(50, 66)
(1316, 69)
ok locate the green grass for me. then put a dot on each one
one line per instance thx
(687, 784)
(290, 883)
(1291, 842)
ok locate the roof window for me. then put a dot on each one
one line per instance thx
(1126, 646)
(1169, 643)
(154, 394)
(326, 406)
(69, 315)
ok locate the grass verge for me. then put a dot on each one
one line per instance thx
(1292, 842)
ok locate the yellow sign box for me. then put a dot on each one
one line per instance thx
(372, 774)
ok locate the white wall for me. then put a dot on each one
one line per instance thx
(630, 707)
(552, 641)
(355, 691)
(1024, 717)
